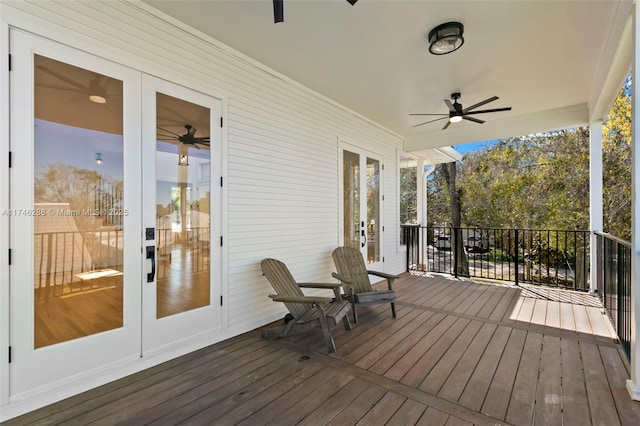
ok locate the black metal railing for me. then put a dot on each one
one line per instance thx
(613, 257)
(545, 257)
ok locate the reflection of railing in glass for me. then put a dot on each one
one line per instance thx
(108, 202)
(194, 241)
(73, 262)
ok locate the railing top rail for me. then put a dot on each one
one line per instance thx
(504, 229)
(614, 238)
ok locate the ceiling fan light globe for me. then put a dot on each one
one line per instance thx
(98, 99)
(455, 119)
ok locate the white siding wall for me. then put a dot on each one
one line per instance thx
(282, 178)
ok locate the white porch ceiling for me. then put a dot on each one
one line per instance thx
(556, 63)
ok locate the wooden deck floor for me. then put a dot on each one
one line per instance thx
(459, 353)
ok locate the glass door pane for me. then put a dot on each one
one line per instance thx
(373, 210)
(183, 183)
(351, 199)
(78, 203)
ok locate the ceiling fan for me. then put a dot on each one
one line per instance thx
(96, 89)
(457, 113)
(278, 9)
(188, 138)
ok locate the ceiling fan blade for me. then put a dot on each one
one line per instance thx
(65, 89)
(450, 105)
(475, 120)
(486, 101)
(63, 78)
(278, 11)
(167, 131)
(484, 111)
(170, 115)
(427, 122)
(446, 125)
(352, 2)
(428, 114)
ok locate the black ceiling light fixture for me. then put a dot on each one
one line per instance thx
(278, 9)
(446, 38)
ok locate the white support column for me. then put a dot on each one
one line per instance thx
(633, 385)
(422, 193)
(595, 196)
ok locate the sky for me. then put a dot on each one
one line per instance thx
(475, 146)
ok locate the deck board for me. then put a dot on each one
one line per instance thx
(524, 389)
(388, 342)
(383, 410)
(601, 404)
(388, 360)
(477, 385)
(499, 391)
(363, 403)
(408, 414)
(574, 394)
(438, 375)
(548, 409)
(461, 373)
(458, 353)
(433, 417)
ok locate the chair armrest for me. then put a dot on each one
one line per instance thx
(301, 299)
(344, 280)
(383, 275)
(388, 277)
(329, 286)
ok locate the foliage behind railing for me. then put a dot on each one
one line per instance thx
(614, 284)
(545, 257)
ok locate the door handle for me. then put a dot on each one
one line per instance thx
(364, 236)
(151, 254)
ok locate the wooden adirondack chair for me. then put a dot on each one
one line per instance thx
(353, 273)
(309, 312)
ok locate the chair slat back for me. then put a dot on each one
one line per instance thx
(284, 284)
(350, 263)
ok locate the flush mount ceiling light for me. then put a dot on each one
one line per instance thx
(97, 92)
(446, 38)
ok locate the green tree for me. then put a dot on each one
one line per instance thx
(536, 181)
(80, 188)
(616, 159)
(449, 173)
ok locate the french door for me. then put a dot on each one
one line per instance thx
(75, 213)
(180, 164)
(113, 215)
(362, 202)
